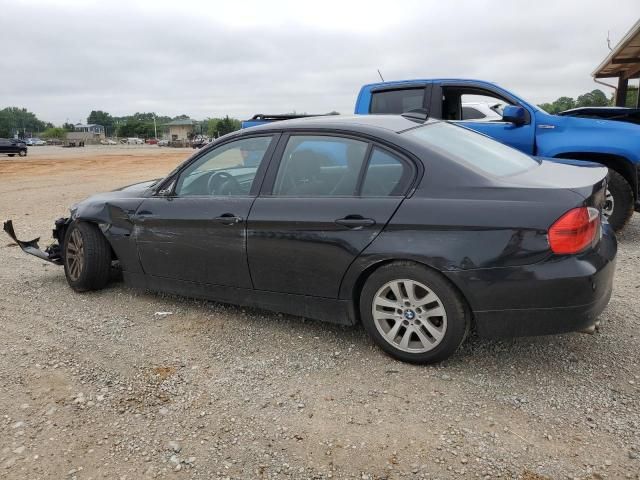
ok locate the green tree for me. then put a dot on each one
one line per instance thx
(632, 97)
(560, 105)
(133, 127)
(18, 120)
(594, 98)
(98, 117)
(68, 127)
(217, 127)
(55, 132)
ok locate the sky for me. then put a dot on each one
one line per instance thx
(61, 59)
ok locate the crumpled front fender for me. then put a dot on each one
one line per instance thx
(53, 253)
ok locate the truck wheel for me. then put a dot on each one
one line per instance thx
(413, 313)
(87, 257)
(618, 206)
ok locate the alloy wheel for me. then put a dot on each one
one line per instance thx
(75, 255)
(409, 316)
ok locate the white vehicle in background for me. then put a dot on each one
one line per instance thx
(132, 141)
(482, 111)
(35, 142)
(108, 141)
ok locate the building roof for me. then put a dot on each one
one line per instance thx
(186, 121)
(624, 59)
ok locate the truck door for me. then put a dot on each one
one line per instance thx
(480, 109)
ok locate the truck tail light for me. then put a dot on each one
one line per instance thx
(575, 230)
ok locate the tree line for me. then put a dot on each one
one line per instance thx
(15, 120)
(146, 124)
(594, 98)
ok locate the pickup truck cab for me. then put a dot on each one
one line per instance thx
(526, 127)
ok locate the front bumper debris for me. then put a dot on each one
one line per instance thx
(53, 253)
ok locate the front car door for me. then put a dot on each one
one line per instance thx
(195, 230)
(454, 96)
(322, 203)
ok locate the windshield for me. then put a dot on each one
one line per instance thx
(472, 149)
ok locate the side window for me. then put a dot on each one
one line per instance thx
(226, 170)
(470, 113)
(320, 166)
(458, 103)
(386, 175)
(397, 101)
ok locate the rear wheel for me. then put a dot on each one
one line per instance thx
(12, 154)
(413, 313)
(618, 207)
(87, 257)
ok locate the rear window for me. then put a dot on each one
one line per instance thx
(397, 101)
(468, 147)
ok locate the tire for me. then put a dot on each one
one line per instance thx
(22, 153)
(11, 154)
(441, 335)
(619, 205)
(87, 257)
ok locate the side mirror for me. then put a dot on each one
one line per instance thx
(514, 114)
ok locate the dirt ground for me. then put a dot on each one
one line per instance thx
(102, 385)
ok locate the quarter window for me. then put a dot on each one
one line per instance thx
(226, 170)
(315, 165)
(386, 175)
(397, 101)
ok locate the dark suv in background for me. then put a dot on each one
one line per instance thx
(11, 146)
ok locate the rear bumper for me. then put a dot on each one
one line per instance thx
(560, 295)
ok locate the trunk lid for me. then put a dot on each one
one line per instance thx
(589, 180)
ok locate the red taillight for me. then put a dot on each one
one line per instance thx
(575, 230)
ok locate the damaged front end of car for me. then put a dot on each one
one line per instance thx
(52, 253)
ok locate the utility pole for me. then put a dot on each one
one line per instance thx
(155, 129)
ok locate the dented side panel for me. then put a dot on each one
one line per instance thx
(114, 215)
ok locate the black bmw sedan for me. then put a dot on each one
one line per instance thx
(418, 229)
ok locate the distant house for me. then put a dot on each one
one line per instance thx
(180, 130)
(85, 134)
(91, 128)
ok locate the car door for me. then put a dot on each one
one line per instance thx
(454, 96)
(323, 202)
(195, 228)
(5, 146)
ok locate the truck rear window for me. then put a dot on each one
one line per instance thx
(473, 149)
(396, 101)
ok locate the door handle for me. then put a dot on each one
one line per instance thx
(228, 219)
(355, 221)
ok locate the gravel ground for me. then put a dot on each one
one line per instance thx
(101, 385)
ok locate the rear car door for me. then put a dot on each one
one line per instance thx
(195, 230)
(325, 198)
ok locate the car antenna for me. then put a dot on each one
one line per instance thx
(380, 75)
(419, 115)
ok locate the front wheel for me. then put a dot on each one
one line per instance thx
(414, 314)
(618, 206)
(22, 153)
(87, 257)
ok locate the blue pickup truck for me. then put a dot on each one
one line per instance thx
(523, 126)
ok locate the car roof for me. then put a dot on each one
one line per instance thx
(358, 123)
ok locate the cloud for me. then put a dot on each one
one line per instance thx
(63, 59)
